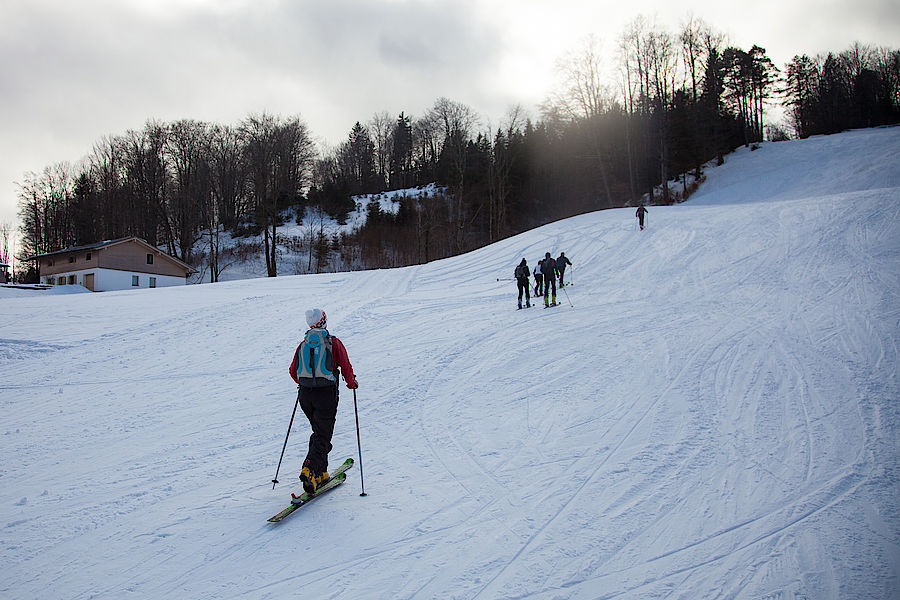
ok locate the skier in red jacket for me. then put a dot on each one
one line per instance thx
(315, 370)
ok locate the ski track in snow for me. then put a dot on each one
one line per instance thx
(709, 413)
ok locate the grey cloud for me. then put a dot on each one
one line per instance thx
(405, 51)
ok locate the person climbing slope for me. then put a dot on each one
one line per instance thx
(548, 268)
(561, 263)
(639, 213)
(522, 273)
(314, 368)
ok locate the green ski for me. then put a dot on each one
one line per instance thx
(338, 476)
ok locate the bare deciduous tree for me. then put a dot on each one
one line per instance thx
(7, 247)
(456, 122)
(279, 155)
(504, 155)
(381, 129)
(584, 98)
(186, 145)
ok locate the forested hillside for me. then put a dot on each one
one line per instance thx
(679, 99)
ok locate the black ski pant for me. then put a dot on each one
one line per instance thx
(538, 284)
(523, 286)
(320, 407)
(562, 272)
(549, 281)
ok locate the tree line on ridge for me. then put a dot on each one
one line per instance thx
(677, 101)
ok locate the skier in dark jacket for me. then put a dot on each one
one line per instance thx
(639, 213)
(316, 374)
(522, 273)
(561, 263)
(548, 268)
(538, 280)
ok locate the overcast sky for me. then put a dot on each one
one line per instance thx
(73, 71)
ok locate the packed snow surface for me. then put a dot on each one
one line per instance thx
(711, 412)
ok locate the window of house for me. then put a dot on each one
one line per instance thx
(51, 280)
(72, 280)
(61, 281)
(149, 259)
(153, 282)
(88, 257)
(135, 281)
(71, 259)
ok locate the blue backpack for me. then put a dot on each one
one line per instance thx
(315, 361)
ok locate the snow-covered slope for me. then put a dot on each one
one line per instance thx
(711, 413)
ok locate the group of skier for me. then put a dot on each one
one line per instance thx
(547, 270)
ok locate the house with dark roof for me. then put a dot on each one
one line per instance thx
(122, 264)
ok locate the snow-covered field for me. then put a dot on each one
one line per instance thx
(712, 412)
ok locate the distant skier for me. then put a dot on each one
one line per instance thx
(641, 211)
(561, 263)
(522, 273)
(315, 370)
(538, 280)
(548, 268)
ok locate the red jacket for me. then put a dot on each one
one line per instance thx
(340, 359)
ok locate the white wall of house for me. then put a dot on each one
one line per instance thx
(107, 280)
(64, 278)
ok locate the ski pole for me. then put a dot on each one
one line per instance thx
(567, 297)
(275, 481)
(362, 481)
